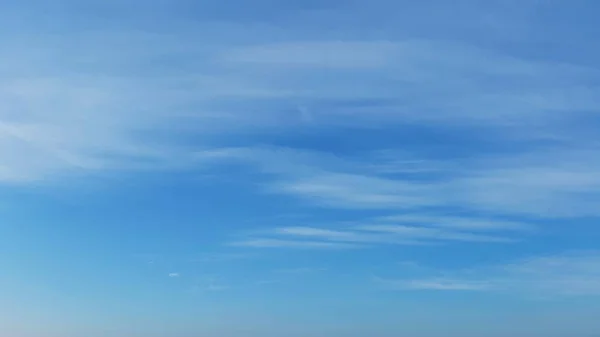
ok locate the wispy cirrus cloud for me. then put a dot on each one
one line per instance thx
(282, 243)
(489, 185)
(373, 234)
(475, 127)
(345, 190)
(125, 100)
(100, 107)
(392, 79)
(567, 274)
(429, 233)
(457, 222)
(535, 184)
(434, 284)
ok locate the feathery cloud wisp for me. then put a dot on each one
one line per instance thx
(571, 274)
(59, 118)
(370, 235)
(551, 184)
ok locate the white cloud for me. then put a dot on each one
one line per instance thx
(327, 234)
(537, 184)
(532, 183)
(569, 274)
(367, 236)
(434, 284)
(423, 81)
(112, 104)
(279, 243)
(457, 222)
(357, 191)
(174, 275)
(63, 125)
(427, 233)
(542, 184)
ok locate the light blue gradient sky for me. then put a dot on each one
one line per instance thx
(313, 168)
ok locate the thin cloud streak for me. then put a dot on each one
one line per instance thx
(433, 285)
(456, 222)
(425, 233)
(568, 274)
(364, 236)
(507, 184)
(278, 243)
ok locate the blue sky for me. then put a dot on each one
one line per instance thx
(312, 168)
